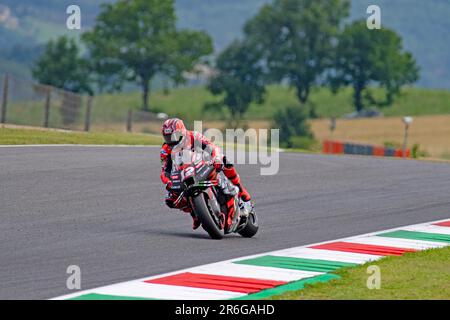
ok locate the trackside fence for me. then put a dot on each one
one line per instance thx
(23, 102)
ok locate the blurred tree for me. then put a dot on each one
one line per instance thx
(297, 38)
(294, 127)
(365, 57)
(239, 78)
(133, 40)
(61, 66)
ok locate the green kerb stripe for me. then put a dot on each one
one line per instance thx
(292, 286)
(97, 296)
(416, 235)
(296, 263)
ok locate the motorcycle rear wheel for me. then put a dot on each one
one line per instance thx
(203, 214)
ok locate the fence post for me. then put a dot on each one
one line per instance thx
(4, 99)
(87, 120)
(129, 120)
(47, 106)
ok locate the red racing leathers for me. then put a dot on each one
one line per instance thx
(197, 139)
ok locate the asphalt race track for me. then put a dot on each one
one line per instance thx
(101, 208)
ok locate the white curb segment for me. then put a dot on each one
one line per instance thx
(397, 243)
(140, 289)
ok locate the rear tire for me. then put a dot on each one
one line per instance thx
(203, 214)
(251, 228)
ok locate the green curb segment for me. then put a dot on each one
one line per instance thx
(292, 286)
(416, 235)
(323, 269)
(97, 296)
(296, 263)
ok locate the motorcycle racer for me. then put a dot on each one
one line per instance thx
(174, 132)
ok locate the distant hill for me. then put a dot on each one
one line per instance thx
(424, 25)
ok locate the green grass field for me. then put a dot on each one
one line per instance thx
(110, 110)
(188, 103)
(419, 275)
(10, 136)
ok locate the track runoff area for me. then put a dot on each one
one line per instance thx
(272, 273)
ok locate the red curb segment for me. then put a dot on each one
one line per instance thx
(443, 224)
(363, 248)
(209, 281)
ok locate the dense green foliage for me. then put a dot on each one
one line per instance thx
(299, 41)
(294, 127)
(422, 24)
(296, 39)
(239, 78)
(136, 40)
(61, 66)
(366, 57)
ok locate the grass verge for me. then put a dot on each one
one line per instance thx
(188, 103)
(420, 275)
(10, 136)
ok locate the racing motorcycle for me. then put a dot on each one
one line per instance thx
(211, 195)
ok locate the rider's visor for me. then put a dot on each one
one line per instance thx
(173, 138)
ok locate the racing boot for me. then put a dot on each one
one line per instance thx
(183, 206)
(231, 173)
(195, 222)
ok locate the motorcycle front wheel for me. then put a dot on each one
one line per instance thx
(251, 228)
(204, 215)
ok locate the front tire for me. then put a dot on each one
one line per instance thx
(251, 228)
(203, 214)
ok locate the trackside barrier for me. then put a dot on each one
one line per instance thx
(337, 147)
